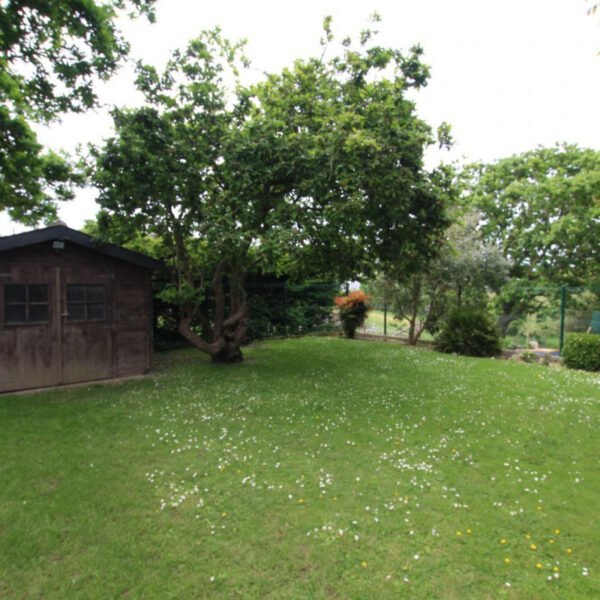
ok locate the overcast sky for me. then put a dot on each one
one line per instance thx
(508, 76)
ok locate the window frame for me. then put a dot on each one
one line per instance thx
(27, 303)
(86, 303)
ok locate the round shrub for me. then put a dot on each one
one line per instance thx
(582, 351)
(469, 331)
(353, 310)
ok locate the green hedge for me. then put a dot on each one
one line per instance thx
(582, 351)
(469, 331)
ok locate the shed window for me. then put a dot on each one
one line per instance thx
(86, 302)
(26, 303)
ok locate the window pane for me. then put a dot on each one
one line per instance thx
(38, 293)
(15, 293)
(95, 293)
(96, 312)
(15, 313)
(76, 312)
(38, 313)
(76, 293)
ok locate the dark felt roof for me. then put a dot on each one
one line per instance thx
(66, 234)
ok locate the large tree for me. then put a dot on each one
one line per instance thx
(542, 209)
(316, 169)
(51, 55)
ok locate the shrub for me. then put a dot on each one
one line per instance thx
(582, 351)
(469, 331)
(353, 311)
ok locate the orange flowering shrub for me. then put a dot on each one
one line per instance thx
(353, 310)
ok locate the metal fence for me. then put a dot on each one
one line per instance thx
(282, 309)
(276, 309)
(553, 313)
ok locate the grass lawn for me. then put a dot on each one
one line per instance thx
(319, 468)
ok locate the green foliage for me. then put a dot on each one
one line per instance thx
(318, 169)
(51, 54)
(280, 308)
(468, 331)
(31, 180)
(542, 209)
(466, 271)
(582, 351)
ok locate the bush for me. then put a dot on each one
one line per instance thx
(353, 311)
(469, 331)
(582, 351)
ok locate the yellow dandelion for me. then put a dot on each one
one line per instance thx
(528, 536)
(503, 541)
(557, 531)
(301, 501)
(223, 514)
(469, 531)
(551, 541)
(538, 565)
(533, 547)
(459, 533)
(507, 561)
(555, 569)
(569, 550)
(363, 564)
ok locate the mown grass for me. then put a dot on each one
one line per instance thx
(319, 468)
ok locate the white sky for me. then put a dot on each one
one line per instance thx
(508, 76)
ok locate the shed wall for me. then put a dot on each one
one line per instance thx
(62, 351)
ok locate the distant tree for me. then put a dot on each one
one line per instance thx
(319, 169)
(542, 210)
(51, 54)
(466, 272)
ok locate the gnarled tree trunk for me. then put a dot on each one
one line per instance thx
(223, 339)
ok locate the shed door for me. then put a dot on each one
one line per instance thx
(86, 341)
(28, 330)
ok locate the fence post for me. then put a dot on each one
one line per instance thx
(285, 309)
(385, 320)
(563, 302)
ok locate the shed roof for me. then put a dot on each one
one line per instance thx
(60, 232)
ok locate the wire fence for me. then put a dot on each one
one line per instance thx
(543, 322)
(282, 309)
(275, 309)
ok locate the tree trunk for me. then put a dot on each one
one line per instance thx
(227, 334)
(412, 326)
(510, 313)
(225, 348)
(413, 333)
(230, 354)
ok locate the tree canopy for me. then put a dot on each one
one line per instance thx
(542, 208)
(318, 168)
(51, 56)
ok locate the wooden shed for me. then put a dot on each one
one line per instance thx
(72, 309)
